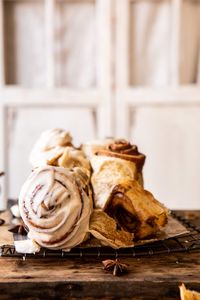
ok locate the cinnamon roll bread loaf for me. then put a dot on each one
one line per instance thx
(55, 204)
(118, 188)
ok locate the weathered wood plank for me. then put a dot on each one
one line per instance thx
(150, 291)
(173, 266)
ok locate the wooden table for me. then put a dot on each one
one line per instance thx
(149, 277)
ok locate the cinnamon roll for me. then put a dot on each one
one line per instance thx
(135, 209)
(113, 162)
(55, 204)
(55, 148)
(50, 146)
(118, 148)
(124, 150)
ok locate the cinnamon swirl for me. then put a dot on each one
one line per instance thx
(135, 209)
(105, 229)
(55, 204)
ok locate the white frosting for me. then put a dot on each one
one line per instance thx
(50, 144)
(55, 207)
(26, 246)
(15, 210)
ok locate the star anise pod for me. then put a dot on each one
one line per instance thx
(115, 266)
(19, 228)
(2, 222)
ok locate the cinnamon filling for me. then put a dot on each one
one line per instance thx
(125, 220)
(121, 209)
(124, 147)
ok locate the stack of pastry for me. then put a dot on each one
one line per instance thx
(117, 183)
(96, 190)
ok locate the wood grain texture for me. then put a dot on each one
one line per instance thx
(148, 277)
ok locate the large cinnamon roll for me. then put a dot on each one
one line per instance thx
(55, 205)
(135, 209)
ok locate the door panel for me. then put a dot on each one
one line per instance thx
(24, 30)
(170, 137)
(75, 51)
(150, 42)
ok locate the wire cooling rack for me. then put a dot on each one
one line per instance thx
(184, 243)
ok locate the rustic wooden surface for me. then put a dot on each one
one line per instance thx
(149, 277)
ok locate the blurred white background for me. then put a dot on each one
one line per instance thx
(100, 68)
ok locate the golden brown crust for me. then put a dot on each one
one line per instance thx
(105, 229)
(123, 146)
(124, 150)
(187, 294)
(71, 158)
(135, 209)
(107, 173)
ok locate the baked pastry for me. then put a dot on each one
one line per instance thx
(113, 162)
(105, 229)
(71, 158)
(54, 147)
(108, 172)
(55, 204)
(92, 147)
(135, 209)
(118, 148)
(188, 294)
(124, 150)
(50, 145)
(117, 183)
